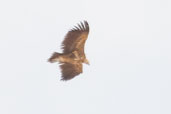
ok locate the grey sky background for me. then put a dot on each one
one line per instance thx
(129, 49)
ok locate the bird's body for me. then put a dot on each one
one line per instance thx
(73, 52)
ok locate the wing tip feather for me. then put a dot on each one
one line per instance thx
(82, 26)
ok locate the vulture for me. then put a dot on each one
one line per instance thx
(72, 57)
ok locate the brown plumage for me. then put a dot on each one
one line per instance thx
(73, 55)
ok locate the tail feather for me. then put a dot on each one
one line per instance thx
(54, 57)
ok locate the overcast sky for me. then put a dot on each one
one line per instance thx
(129, 49)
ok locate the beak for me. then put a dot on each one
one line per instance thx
(86, 62)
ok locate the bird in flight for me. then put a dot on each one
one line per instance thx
(72, 57)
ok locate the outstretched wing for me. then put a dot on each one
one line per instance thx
(75, 38)
(69, 70)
